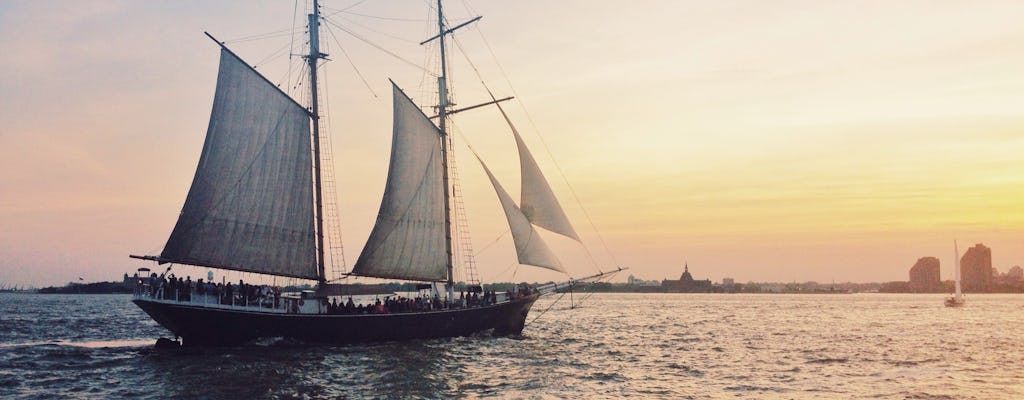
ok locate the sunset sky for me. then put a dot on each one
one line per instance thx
(757, 140)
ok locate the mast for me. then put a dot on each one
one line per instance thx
(956, 268)
(442, 113)
(312, 59)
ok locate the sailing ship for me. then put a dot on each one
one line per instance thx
(957, 298)
(256, 205)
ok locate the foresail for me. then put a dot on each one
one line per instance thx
(538, 203)
(408, 240)
(530, 248)
(250, 207)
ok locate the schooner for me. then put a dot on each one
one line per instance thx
(256, 205)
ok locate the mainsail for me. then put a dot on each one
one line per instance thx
(250, 207)
(408, 240)
(538, 202)
(530, 248)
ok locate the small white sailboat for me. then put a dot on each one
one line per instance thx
(957, 298)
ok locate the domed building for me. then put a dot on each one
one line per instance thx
(686, 283)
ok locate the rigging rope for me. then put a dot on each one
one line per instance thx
(510, 267)
(381, 32)
(274, 54)
(291, 49)
(336, 11)
(378, 47)
(261, 36)
(335, 246)
(545, 310)
(379, 17)
(350, 62)
(488, 245)
(591, 293)
(586, 297)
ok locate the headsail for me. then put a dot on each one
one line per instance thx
(538, 203)
(408, 240)
(530, 248)
(250, 207)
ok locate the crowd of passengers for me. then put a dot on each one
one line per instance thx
(175, 288)
(401, 304)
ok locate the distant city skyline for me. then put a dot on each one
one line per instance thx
(767, 141)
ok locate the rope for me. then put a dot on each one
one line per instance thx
(376, 46)
(545, 310)
(261, 36)
(502, 235)
(350, 62)
(379, 17)
(276, 53)
(591, 293)
(381, 32)
(291, 48)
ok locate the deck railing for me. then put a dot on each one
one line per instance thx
(272, 301)
(159, 292)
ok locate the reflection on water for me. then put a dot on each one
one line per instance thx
(617, 345)
(95, 344)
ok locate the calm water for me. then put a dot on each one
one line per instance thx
(616, 345)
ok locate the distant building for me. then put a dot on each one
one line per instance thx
(1012, 277)
(640, 282)
(729, 285)
(976, 269)
(773, 288)
(924, 276)
(686, 283)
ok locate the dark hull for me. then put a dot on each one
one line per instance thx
(205, 326)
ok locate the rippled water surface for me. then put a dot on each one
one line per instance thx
(616, 345)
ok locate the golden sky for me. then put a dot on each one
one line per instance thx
(758, 140)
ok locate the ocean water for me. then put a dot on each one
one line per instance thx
(673, 346)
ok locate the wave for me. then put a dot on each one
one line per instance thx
(92, 344)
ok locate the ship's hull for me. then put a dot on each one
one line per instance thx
(206, 326)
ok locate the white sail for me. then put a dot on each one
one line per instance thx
(250, 207)
(530, 248)
(538, 202)
(408, 240)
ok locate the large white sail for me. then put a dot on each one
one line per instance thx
(408, 240)
(538, 202)
(250, 207)
(530, 248)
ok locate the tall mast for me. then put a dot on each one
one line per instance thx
(314, 56)
(442, 113)
(956, 268)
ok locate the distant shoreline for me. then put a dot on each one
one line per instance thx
(115, 287)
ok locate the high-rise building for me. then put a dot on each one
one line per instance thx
(976, 269)
(924, 275)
